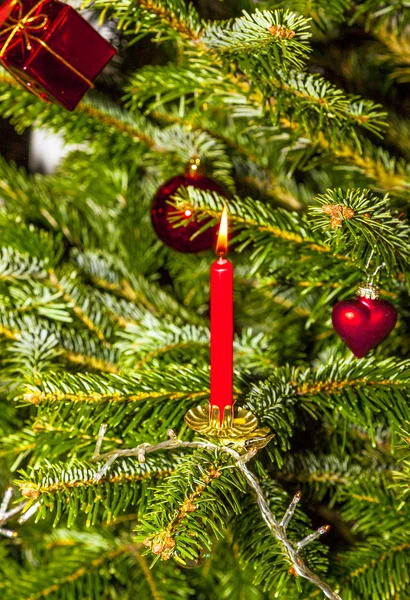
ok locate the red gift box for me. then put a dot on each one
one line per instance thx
(51, 49)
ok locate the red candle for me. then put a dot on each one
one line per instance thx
(222, 324)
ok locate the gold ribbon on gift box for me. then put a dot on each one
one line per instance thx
(24, 25)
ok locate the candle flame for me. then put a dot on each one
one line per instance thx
(222, 243)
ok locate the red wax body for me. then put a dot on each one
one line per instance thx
(63, 56)
(221, 334)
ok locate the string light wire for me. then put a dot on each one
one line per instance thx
(278, 529)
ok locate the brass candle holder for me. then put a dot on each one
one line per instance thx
(236, 425)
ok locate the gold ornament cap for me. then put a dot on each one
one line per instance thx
(194, 167)
(368, 290)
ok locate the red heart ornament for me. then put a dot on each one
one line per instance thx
(363, 323)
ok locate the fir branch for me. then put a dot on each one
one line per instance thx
(301, 101)
(109, 273)
(144, 342)
(104, 121)
(397, 133)
(385, 172)
(90, 362)
(401, 476)
(361, 113)
(116, 120)
(106, 125)
(93, 388)
(148, 576)
(73, 489)
(67, 296)
(311, 92)
(337, 389)
(164, 544)
(82, 402)
(61, 442)
(104, 134)
(325, 478)
(395, 52)
(34, 298)
(83, 570)
(24, 241)
(372, 225)
(282, 32)
(165, 18)
(17, 266)
(375, 498)
(98, 563)
(324, 13)
(223, 582)
(72, 345)
(180, 516)
(33, 352)
(151, 87)
(384, 561)
(376, 13)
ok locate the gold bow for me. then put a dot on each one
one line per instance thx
(24, 25)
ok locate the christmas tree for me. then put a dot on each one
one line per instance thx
(294, 116)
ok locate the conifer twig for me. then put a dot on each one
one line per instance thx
(278, 529)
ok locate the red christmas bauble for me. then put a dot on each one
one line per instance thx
(179, 238)
(363, 323)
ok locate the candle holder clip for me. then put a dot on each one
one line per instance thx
(236, 426)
